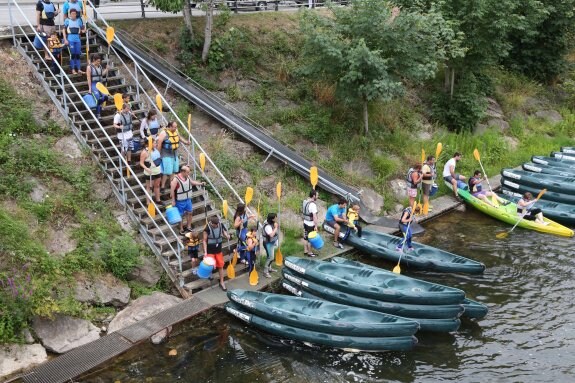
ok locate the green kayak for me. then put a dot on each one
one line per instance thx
(560, 212)
(559, 184)
(322, 316)
(350, 343)
(550, 195)
(508, 213)
(546, 169)
(379, 284)
(423, 257)
(302, 288)
(472, 308)
(553, 161)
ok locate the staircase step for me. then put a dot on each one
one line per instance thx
(66, 67)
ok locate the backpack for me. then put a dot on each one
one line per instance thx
(408, 177)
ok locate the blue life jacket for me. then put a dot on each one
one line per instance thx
(49, 11)
(74, 26)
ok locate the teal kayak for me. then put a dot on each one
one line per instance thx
(346, 342)
(560, 212)
(564, 185)
(405, 310)
(472, 308)
(553, 161)
(563, 156)
(379, 284)
(548, 196)
(546, 169)
(423, 257)
(301, 288)
(322, 316)
(568, 150)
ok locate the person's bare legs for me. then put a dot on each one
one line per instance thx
(336, 233)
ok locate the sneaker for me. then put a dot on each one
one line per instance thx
(338, 245)
(398, 249)
(188, 229)
(411, 249)
(195, 271)
(244, 261)
(183, 232)
(267, 275)
(310, 255)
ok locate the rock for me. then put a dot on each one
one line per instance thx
(60, 241)
(124, 221)
(372, 200)
(480, 129)
(531, 104)
(101, 189)
(272, 165)
(161, 336)
(397, 208)
(494, 109)
(64, 333)
(498, 123)
(103, 290)
(148, 273)
(18, 357)
(238, 149)
(513, 143)
(247, 85)
(241, 177)
(398, 188)
(549, 115)
(69, 147)
(39, 193)
(267, 185)
(142, 308)
(358, 167)
(27, 335)
(424, 136)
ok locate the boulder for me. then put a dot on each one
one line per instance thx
(69, 147)
(372, 200)
(498, 123)
(241, 177)
(102, 290)
(238, 149)
(18, 357)
(359, 168)
(267, 185)
(549, 115)
(512, 143)
(398, 188)
(494, 109)
(143, 308)
(480, 129)
(39, 193)
(147, 272)
(27, 335)
(60, 241)
(101, 189)
(125, 222)
(64, 333)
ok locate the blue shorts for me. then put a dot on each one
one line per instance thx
(449, 178)
(184, 206)
(170, 165)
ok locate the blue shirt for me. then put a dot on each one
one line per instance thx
(73, 29)
(69, 5)
(334, 211)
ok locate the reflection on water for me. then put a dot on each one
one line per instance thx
(528, 335)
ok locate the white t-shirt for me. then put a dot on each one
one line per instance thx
(122, 135)
(312, 209)
(448, 165)
(269, 229)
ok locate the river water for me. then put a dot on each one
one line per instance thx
(528, 335)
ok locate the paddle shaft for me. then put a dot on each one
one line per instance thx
(523, 216)
(485, 175)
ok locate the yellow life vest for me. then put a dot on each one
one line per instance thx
(173, 140)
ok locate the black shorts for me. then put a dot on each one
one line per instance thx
(154, 177)
(306, 230)
(193, 253)
(426, 188)
(531, 216)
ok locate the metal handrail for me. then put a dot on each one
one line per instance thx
(67, 96)
(138, 69)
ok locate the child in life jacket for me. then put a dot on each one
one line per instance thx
(55, 46)
(353, 218)
(251, 245)
(193, 245)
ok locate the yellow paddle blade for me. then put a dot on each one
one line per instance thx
(494, 200)
(279, 257)
(225, 208)
(397, 269)
(438, 150)
(476, 154)
(249, 195)
(254, 277)
(151, 209)
(127, 172)
(235, 257)
(426, 208)
(102, 88)
(189, 121)
(118, 101)
(541, 193)
(502, 235)
(110, 33)
(231, 271)
(422, 155)
(150, 145)
(159, 102)
(313, 176)
(202, 161)
(279, 190)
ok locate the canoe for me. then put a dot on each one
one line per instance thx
(350, 343)
(508, 213)
(472, 308)
(564, 185)
(569, 157)
(553, 161)
(550, 195)
(568, 150)
(556, 211)
(546, 169)
(322, 316)
(406, 310)
(297, 289)
(379, 284)
(423, 257)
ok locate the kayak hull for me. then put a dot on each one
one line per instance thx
(554, 161)
(559, 184)
(322, 316)
(372, 344)
(550, 195)
(546, 169)
(375, 283)
(302, 288)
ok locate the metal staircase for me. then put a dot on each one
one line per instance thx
(99, 137)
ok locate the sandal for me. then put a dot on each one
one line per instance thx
(223, 287)
(310, 255)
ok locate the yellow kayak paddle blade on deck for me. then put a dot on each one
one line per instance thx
(231, 271)
(397, 269)
(254, 277)
(279, 257)
(235, 257)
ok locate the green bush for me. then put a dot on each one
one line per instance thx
(120, 255)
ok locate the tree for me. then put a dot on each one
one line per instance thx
(209, 9)
(175, 6)
(368, 50)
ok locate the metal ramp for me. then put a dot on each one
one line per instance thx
(127, 179)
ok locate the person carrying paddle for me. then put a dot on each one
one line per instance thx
(123, 125)
(477, 191)
(241, 219)
(151, 162)
(214, 233)
(413, 180)
(46, 12)
(428, 174)
(168, 143)
(407, 215)
(335, 217)
(150, 125)
(181, 194)
(309, 209)
(95, 74)
(251, 244)
(449, 174)
(525, 209)
(270, 240)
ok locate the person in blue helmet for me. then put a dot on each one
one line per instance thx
(73, 26)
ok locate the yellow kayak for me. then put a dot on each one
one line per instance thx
(508, 213)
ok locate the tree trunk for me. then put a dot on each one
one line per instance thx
(452, 82)
(446, 78)
(208, 30)
(187, 11)
(365, 117)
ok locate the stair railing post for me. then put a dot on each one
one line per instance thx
(137, 83)
(11, 22)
